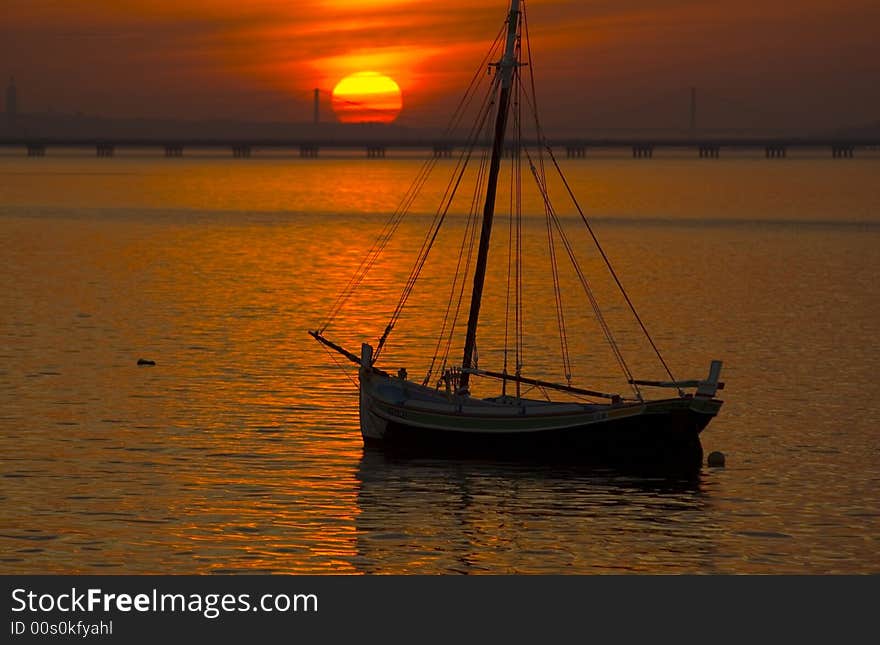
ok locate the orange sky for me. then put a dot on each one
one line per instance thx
(811, 63)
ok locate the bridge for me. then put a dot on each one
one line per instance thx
(642, 147)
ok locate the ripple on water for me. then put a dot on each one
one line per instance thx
(240, 452)
(34, 537)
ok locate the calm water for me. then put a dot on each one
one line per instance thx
(240, 451)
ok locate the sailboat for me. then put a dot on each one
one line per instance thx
(439, 415)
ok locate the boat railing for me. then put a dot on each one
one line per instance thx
(706, 388)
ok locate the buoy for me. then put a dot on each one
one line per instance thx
(144, 361)
(716, 459)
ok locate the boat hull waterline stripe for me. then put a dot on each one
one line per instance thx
(387, 401)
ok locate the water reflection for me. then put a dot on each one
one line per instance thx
(239, 450)
(470, 516)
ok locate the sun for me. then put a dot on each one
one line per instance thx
(367, 97)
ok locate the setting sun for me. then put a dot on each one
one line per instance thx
(367, 97)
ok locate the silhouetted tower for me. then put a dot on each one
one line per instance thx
(693, 110)
(317, 105)
(11, 103)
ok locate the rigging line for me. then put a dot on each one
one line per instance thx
(448, 197)
(340, 366)
(543, 142)
(510, 262)
(597, 312)
(515, 244)
(476, 79)
(519, 214)
(557, 292)
(510, 259)
(469, 235)
(385, 235)
(542, 185)
(468, 240)
(463, 284)
(517, 257)
(469, 94)
(457, 275)
(606, 330)
(439, 218)
(613, 272)
(473, 216)
(393, 222)
(557, 287)
(520, 268)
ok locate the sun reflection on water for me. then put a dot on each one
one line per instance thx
(240, 451)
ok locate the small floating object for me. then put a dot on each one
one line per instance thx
(716, 459)
(145, 361)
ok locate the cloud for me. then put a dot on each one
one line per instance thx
(169, 57)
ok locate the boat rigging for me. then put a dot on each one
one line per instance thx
(439, 412)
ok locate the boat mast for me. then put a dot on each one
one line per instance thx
(505, 68)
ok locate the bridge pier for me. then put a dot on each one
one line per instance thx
(575, 152)
(36, 150)
(643, 151)
(241, 152)
(442, 151)
(104, 150)
(375, 152)
(308, 151)
(775, 152)
(842, 151)
(173, 150)
(710, 152)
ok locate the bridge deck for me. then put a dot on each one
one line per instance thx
(655, 142)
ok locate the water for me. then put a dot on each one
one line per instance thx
(240, 451)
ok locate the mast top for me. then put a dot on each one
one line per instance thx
(508, 61)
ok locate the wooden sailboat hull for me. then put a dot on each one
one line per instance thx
(404, 417)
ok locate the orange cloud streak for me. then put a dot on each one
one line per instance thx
(261, 59)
